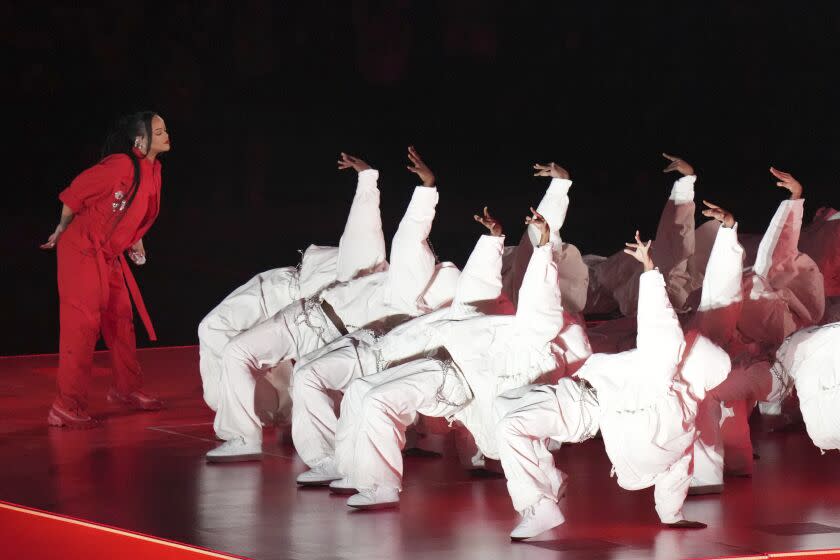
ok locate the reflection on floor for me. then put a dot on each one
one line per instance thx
(146, 473)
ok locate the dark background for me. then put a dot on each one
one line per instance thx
(261, 96)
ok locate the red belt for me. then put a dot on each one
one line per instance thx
(133, 289)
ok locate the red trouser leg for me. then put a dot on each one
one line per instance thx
(79, 318)
(118, 332)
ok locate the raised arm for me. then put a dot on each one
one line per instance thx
(539, 313)
(480, 282)
(781, 240)
(361, 249)
(659, 335)
(675, 232)
(786, 289)
(412, 261)
(554, 205)
(717, 315)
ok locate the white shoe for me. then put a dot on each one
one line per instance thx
(538, 519)
(375, 498)
(320, 475)
(342, 486)
(236, 449)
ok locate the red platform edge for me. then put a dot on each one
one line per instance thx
(190, 550)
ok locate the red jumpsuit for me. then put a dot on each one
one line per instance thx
(94, 280)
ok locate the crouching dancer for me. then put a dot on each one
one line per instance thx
(643, 400)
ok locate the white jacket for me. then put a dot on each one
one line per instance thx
(499, 352)
(413, 283)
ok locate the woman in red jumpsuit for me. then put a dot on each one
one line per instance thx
(107, 210)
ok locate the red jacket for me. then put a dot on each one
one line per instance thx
(98, 198)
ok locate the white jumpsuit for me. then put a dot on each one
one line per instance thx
(487, 355)
(412, 285)
(748, 316)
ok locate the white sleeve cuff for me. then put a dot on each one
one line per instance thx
(368, 178)
(683, 189)
(559, 186)
(425, 197)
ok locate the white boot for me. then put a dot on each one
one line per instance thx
(375, 498)
(342, 486)
(319, 475)
(537, 519)
(236, 449)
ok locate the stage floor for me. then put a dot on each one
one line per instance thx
(146, 472)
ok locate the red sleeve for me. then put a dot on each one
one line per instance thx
(97, 181)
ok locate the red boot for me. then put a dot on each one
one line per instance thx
(73, 418)
(137, 400)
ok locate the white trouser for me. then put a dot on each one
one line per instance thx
(252, 303)
(821, 414)
(296, 330)
(723, 425)
(530, 415)
(377, 409)
(314, 421)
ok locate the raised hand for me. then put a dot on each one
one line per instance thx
(716, 212)
(550, 170)
(786, 181)
(677, 164)
(53, 238)
(419, 168)
(491, 223)
(347, 161)
(536, 219)
(640, 251)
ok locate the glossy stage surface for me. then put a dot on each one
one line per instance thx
(146, 472)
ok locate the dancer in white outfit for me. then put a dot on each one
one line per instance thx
(482, 356)
(644, 401)
(413, 284)
(361, 250)
(746, 314)
(809, 359)
(359, 354)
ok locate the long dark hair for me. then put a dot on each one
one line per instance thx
(120, 140)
